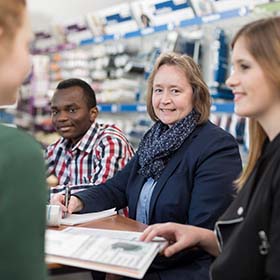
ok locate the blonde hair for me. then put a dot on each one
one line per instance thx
(11, 18)
(262, 38)
(201, 95)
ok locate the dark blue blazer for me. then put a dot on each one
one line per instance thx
(195, 188)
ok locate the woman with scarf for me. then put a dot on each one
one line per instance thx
(247, 239)
(183, 169)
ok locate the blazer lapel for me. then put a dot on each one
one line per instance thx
(169, 170)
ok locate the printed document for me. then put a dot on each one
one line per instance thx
(75, 219)
(103, 250)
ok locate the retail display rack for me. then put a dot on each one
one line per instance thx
(191, 20)
(168, 27)
(140, 108)
(183, 16)
(197, 20)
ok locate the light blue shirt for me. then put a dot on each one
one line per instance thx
(143, 205)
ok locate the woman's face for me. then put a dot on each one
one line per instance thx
(15, 62)
(254, 95)
(172, 94)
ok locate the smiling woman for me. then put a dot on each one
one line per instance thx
(172, 95)
(181, 76)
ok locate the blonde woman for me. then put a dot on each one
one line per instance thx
(22, 172)
(247, 240)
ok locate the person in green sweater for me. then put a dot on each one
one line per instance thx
(22, 170)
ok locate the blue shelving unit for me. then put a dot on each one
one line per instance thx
(227, 107)
(126, 108)
(243, 11)
(166, 27)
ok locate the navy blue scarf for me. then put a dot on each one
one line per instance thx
(160, 142)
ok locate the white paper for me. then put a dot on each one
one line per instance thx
(116, 234)
(124, 257)
(75, 219)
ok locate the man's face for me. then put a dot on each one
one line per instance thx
(71, 116)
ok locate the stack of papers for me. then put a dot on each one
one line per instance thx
(112, 251)
(54, 216)
(75, 219)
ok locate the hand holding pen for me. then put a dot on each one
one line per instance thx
(68, 203)
(67, 199)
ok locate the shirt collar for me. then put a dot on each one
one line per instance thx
(86, 142)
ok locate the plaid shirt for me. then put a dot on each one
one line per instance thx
(101, 152)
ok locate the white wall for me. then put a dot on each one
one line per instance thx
(45, 12)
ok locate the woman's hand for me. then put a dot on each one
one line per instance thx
(182, 237)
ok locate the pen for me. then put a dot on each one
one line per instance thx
(67, 198)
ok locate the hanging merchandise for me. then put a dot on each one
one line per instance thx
(151, 61)
(227, 5)
(203, 7)
(237, 128)
(219, 66)
(190, 43)
(115, 20)
(44, 42)
(221, 63)
(152, 13)
(76, 31)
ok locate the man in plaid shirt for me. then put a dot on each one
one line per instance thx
(88, 153)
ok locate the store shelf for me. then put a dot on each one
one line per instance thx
(53, 49)
(167, 27)
(215, 17)
(243, 11)
(227, 107)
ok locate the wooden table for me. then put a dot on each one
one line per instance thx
(115, 222)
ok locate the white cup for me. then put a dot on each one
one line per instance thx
(54, 215)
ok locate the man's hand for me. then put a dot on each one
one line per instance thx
(75, 204)
(52, 181)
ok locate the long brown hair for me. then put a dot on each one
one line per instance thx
(201, 96)
(262, 38)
